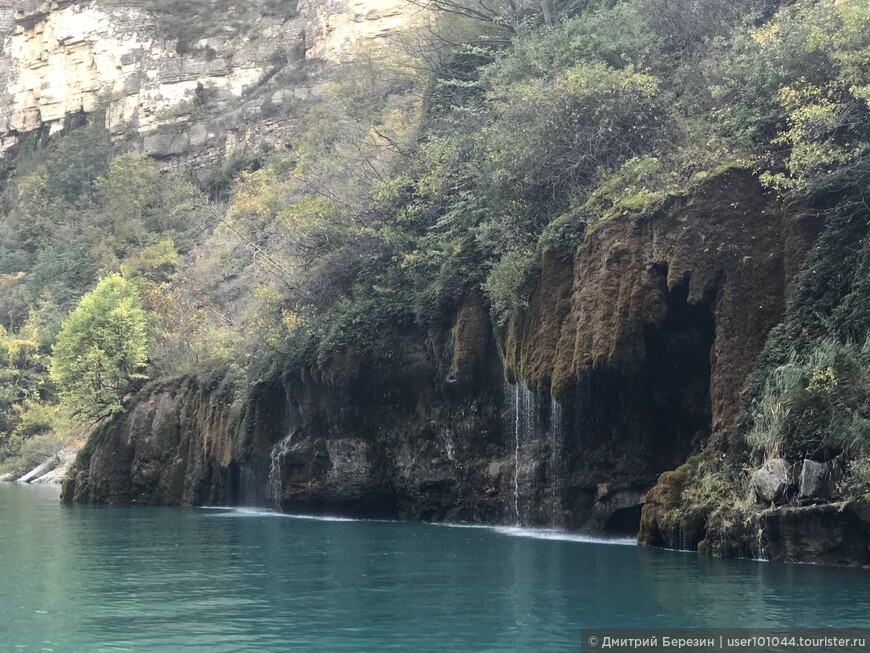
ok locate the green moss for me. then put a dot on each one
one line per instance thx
(564, 234)
(635, 203)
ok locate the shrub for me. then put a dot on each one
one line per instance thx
(816, 404)
(102, 350)
(506, 286)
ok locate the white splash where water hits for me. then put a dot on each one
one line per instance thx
(233, 511)
(510, 531)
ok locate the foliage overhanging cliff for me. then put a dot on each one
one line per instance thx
(445, 199)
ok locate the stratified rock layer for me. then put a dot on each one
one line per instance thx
(62, 59)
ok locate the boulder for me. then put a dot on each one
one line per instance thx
(773, 481)
(166, 144)
(815, 480)
(66, 457)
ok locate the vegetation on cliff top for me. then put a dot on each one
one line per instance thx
(442, 164)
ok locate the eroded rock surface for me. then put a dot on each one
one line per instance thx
(621, 368)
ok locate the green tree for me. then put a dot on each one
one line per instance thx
(102, 350)
(126, 193)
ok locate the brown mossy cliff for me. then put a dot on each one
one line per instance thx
(171, 447)
(729, 246)
(630, 357)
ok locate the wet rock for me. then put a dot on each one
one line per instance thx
(335, 476)
(826, 534)
(773, 481)
(815, 480)
(434, 434)
(617, 511)
(8, 478)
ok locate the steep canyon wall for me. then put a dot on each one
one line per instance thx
(630, 357)
(191, 96)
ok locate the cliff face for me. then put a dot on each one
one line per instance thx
(687, 293)
(170, 99)
(173, 447)
(630, 357)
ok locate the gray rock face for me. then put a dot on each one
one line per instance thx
(827, 534)
(773, 480)
(60, 58)
(815, 480)
(617, 509)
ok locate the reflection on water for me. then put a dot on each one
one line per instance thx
(176, 579)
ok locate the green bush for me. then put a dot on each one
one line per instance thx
(507, 285)
(102, 350)
(816, 405)
(565, 233)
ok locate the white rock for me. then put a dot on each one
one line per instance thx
(39, 471)
(773, 480)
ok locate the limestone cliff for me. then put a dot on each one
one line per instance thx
(630, 357)
(61, 58)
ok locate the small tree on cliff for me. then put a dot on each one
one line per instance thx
(102, 350)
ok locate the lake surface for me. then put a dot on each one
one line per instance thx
(76, 579)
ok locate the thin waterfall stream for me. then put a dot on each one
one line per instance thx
(556, 438)
(276, 469)
(517, 455)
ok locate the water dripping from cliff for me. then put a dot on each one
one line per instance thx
(523, 412)
(556, 440)
(275, 482)
(535, 436)
(253, 475)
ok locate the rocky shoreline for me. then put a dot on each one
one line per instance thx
(51, 472)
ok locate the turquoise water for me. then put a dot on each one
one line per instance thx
(78, 579)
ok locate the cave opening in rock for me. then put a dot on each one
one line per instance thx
(625, 426)
(675, 377)
(624, 521)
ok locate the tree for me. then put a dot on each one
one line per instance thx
(102, 350)
(128, 190)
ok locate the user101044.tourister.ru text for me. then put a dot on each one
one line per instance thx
(730, 640)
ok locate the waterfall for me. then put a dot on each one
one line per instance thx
(759, 542)
(556, 442)
(276, 472)
(517, 420)
(522, 404)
